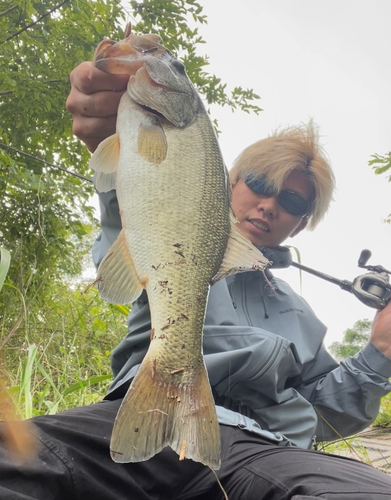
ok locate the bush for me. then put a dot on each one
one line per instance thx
(61, 357)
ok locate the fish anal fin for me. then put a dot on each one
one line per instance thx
(159, 410)
(117, 280)
(240, 256)
(152, 143)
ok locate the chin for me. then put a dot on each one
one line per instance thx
(258, 242)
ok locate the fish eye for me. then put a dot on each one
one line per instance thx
(179, 66)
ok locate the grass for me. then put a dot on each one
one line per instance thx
(60, 358)
(372, 446)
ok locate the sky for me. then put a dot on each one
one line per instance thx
(327, 60)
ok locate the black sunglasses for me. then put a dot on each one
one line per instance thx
(290, 201)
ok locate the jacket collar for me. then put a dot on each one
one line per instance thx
(280, 256)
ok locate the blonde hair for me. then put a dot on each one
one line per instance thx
(293, 148)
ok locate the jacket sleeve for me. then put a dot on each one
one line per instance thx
(346, 396)
(110, 224)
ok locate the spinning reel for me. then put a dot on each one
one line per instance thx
(373, 288)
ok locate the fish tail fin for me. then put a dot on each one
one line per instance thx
(162, 410)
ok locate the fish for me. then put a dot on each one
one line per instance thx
(179, 236)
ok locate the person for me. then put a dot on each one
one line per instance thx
(276, 387)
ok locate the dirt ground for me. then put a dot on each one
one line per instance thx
(372, 446)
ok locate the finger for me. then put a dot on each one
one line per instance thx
(92, 131)
(88, 79)
(99, 104)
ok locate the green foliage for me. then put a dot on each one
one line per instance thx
(54, 339)
(381, 164)
(64, 358)
(384, 417)
(353, 340)
(45, 214)
(5, 259)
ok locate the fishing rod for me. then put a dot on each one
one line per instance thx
(41, 160)
(372, 288)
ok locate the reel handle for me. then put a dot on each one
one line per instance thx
(365, 255)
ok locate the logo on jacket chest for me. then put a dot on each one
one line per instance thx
(292, 309)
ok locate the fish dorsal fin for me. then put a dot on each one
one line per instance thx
(152, 143)
(117, 280)
(105, 162)
(240, 256)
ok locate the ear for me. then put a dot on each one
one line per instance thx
(303, 223)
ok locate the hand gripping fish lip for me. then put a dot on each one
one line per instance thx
(131, 63)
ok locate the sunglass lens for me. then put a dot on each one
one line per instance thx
(293, 203)
(289, 200)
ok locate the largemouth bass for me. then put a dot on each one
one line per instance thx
(178, 237)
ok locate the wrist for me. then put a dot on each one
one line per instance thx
(383, 347)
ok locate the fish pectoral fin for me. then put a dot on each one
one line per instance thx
(105, 162)
(152, 143)
(240, 256)
(161, 409)
(117, 280)
(105, 182)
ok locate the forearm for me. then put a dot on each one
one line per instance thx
(110, 224)
(347, 399)
(381, 331)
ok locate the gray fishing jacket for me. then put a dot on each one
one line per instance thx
(269, 370)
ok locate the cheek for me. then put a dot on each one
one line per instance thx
(239, 209)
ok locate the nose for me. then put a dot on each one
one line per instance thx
(268, 205)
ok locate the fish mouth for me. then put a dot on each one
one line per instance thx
(150, 110)
(131, 55)
(260, 224)
(157, 80)
(133, 47)
(123, 58)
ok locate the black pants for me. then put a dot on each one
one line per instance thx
(73, 462)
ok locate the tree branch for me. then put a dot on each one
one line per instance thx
(4, 13)
(35, 22)
(45, 162)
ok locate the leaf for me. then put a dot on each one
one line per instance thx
(385, 161)
(5, 260)
(82, 384)
(26, 385)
